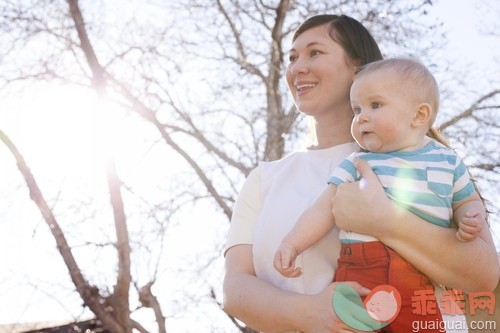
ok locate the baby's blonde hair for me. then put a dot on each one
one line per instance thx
(415, 78)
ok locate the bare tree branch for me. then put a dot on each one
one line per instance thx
(147, 299)
(150, 116)
(243, 61)
(90, 294)
(470, 110)
(120, 298)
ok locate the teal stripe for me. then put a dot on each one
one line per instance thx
(348, 167)
(425, 199)
(464, 193)
(404, 173)
(350, 241)
(460, 170)
(335, 181)
(441, 189)
(435, 158)
(430, 218)
(443, 157)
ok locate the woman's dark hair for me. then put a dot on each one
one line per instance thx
(355, 39)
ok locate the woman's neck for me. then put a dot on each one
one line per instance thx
(333, 131)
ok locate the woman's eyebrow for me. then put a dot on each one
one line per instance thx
(308, 45)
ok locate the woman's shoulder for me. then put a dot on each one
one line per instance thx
(299, 162)
(336, 152)
(289, 158)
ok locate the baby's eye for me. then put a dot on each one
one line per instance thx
(356, 110)
(376, 105)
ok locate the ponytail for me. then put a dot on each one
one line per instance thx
(435, 134)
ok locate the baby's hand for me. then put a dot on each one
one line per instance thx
(469, 227)
(284, 261)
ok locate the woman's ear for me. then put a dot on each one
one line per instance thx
(423, 115)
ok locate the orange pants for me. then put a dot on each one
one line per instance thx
(372, 264)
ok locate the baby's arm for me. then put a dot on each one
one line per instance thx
(470, 216)
(312, 225)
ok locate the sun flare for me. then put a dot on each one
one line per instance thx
(64, 130)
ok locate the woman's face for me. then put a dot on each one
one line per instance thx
(319, 75)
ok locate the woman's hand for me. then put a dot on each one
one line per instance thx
(320, 316)
(362, 205)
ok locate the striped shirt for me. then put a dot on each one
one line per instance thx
(426, 181)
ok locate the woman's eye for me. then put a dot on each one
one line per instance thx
(292, 58)
(315, 52)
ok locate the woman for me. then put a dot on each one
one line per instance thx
(325, 53)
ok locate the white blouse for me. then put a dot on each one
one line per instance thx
(274, 196)
(271, 201)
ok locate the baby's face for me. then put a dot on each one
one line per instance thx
(383, 113)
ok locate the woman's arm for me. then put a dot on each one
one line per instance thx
(471, 266)
(267, 308)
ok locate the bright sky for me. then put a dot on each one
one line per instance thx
(24, 256)
(464, 20)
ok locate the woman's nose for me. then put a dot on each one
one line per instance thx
(299, 66)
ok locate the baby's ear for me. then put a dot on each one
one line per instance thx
(423, 115)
